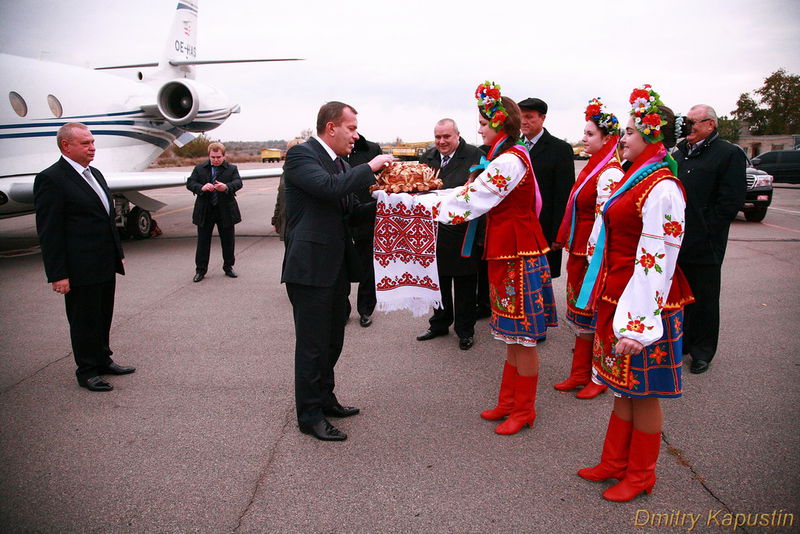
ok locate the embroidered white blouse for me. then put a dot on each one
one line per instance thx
(487, 190)
(657, 255)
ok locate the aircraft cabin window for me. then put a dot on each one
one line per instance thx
(18, 103)
(55, 106)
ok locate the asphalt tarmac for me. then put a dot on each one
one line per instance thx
(202, 438)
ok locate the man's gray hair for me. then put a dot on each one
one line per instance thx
(443, 122)
(709, 111)
(65, 132)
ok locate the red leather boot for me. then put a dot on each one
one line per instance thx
(505, 399)
(524, 411)
(641, 473)
(614, 458)
(591, 390)
(581, 372)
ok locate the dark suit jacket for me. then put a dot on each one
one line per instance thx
(79, 238)
(363, 152)
(451, 237)
(319, 203)
(555, 174)
(226, 200)
(715, 181)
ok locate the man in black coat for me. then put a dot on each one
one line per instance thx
(712, 171)
(555, 173)
(364, 236)
(458, 276)
(81, 251)
(320, 260)
(215, 183)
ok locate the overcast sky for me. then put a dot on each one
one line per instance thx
(405, 64)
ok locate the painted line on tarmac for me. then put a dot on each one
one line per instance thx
(156, 216)
(783, 210)
(781, 227)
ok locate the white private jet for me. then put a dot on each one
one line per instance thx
(132, 121)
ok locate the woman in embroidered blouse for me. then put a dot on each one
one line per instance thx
(594, 185)
(520, 289)
(639, 293)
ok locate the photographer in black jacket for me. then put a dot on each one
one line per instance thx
(712, 171)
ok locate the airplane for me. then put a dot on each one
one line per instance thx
(133, 121)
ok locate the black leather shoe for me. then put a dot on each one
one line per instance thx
(95, 383)
(198, 277)
(230, 273)
(465, 343)
(116, 369)
(430, 334)
(698, 366)
(324, 431)
(337, 410)
(365, 320)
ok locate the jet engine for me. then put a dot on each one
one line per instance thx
(193, 106)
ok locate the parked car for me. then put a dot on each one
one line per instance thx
(758, 196)
(783, 165)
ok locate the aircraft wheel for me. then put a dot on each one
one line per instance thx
(139, 223)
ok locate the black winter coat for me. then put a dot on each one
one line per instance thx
(715, 181)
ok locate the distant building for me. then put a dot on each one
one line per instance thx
(753, 145)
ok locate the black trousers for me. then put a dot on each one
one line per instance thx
(701, 319)
(89, 312)
(227, 239)
(459, 300)
(366, 299)
(484, 306)
(319, 321)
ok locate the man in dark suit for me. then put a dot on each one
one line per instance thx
(458, 276)
(554, 170)
(215, 183)
(81, 251)
(320, 260)
(364, 236)
(712, 172)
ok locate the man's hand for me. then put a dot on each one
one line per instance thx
(378, 163)
(207, 187)
(219, 186)
(61, 286)
(628, 346)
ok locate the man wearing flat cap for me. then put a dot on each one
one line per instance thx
(554, 170)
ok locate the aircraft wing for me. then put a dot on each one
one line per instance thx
(16, 193)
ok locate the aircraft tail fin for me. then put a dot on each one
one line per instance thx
(180, 50)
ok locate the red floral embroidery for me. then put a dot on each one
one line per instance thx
(658, 354)
(672, 228)
(457, 219)
(499, 181)
(635, 324)
(648, 261)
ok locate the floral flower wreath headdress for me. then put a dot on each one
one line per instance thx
(594, 111)
(491, 105)
(644, 110)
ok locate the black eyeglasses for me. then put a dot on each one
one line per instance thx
(691, 123)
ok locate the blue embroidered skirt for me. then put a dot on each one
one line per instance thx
(654, 372)
(521, 295)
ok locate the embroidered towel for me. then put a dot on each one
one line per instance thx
(406, 277)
